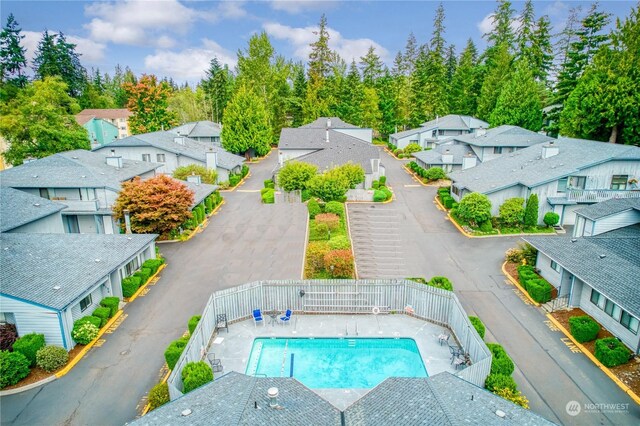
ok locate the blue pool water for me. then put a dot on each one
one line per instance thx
(336, 363)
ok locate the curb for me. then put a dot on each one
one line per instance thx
(426, 185)
(517, 284)
(589, 355)
(353, 253)
(238, 185)
(29, 386)
(142, 287)
(198, 229)
(394, 156)
(306, 245)
(147, 407)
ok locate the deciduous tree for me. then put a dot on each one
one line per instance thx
(149, 103)
(208, 176)
(294, 175)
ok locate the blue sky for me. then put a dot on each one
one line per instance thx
(178, 38)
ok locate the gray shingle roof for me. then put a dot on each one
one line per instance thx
(609, 207)
(443, 399)
(410, 132)
(166, 141)
(456, 122)
(230, 400)
(198, 129)
(200, 191)
(18, 208)
(505, 136)
(615, 275)
(32, 264)
(434, 156)
(73, 169)
(528, 168)
(336, 123)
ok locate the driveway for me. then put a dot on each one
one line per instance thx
(245, 241)
(547, 371)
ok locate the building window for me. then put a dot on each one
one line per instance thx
(577, 182)
(441, 132)
(497, 150)
(630, 322)
(562, 185)
(619, 182)
(146, 157)
(160, 158)
(555, 266)
(455, 190)
(85, 303)
(609, 307)
(434, 133)
(131, 267)
(44, 193)
(595, 297)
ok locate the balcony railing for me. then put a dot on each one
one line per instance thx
(80, 205)
(596, 195)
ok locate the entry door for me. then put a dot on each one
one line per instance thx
(72, 224)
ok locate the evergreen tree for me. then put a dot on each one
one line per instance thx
(149, 103)
(464, 89)
(524, 36)
(452, 63)
(217, 86)
(321, 55)
(498, 69)
(370, 109)
(246, 124)
(387, 104)
(351, 96)
(410, 55)
(519, 101)
(531, 211)
(12, 59)
(57, 57)
(371, 66)
(502, 33)
(540, 53)
(299, 92)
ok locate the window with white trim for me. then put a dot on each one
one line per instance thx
(555, 266)
(595, 297)
(629, 322)
(146, 157)
(85, 303)
(160, 158)
(619, 182)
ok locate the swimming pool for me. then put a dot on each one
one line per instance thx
(336, 363)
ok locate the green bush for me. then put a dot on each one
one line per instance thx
(584, 328)
(143, 274)
(234, 180)
(84, 333)
(512, 211)
(113, 303)
(412, 147)
(196, 374)
(314, 208)
(539, 290)
(193, 323)
(208, 204)
(334, 207)
(531, 211)
(495, 382)
(379, 196)
(339, 242)
(447, 201)
(478, 325)
(486, 226)
(375, 184)
(526, 273)
(513, 255)
(387, 192)
(398, 152)
(158, 395)
(174, 350)
(153, 264)
(244, 171)
(28, 345)
(130, 285)
(382, 181)
(551, 218)
(269, 196)
(441, 282)
(269, 184)
(51, 357)
(13, 367)
(501, 363)
(529, 253)
(475, 208)
(435, 173)
(612, 352)
(305, 195)
(102, 313)
(88, 319)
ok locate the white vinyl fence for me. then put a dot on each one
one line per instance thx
(338, 297)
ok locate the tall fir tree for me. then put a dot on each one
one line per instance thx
(351, 95)
(526, 29)
(217, 85)
(55, 56)
(321, 56)
(371, 67)
(12, 59)
(452, 63)
(502, 33)
(299, 93)
(497, 72)
(465, 84)
(370, 109)
(540, 55)
(410, 56)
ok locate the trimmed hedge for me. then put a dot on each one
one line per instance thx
(478, 325)
(234, 180)
(174, 350)
(143, 274)
(334, 207)
(538, 288)
(51, 357)
(551, 218)
(84, 333)
(158, 395)
(500, 381)
(379, 196)
(382, 181)
(87, 319)
(612, 352)
(314, 208)
(441, 282)
(153, 264)
(269, 183)
(28, 345)
(501, 363)
(196, 374)
(584, 328)
(130, 285)
(13, 367)
(447, 201)
(269, 196)
(102, 313)
(193, 323)
(8, 335)
(244, 171)
(375, 184)
(113, 303)
(486, 226)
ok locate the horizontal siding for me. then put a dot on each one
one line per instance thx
(544, 264)
(33, 319)
(97, 294)
(620, 220)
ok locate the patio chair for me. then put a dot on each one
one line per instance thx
(257, 317)
(443, 338)
(286, 318)
(216, 363)
(221, 322)
(455, 352)
(459, 362)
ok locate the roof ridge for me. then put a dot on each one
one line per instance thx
(445, 409)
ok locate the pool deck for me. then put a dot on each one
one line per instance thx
(234, 348)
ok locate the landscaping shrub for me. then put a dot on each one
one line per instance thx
(28, 346)
(102, 313)
(244, 171)
(196, 374)
(84, 333)
(269, 184)
(486, 226)
(144, 274)
(478, 325)
(512, 211)
(475, 208)
(387, 192)
(51, 357)
(531, 211)
(513, 255)
(411, 148)
(268, 196)
(339, 242)
(529, 253)
(153, 264)
(551, 218)
(447, 201)
(193, 323)
(435, 173)
(315, 256)
(13, 367)
(398, 152)
(305, 195)
(339, 263)
(441, 282)
(112, 303)
(379, 196)
(514, 396)
(234, 180)
(583, 328)
(174, 350)
(501, 363)
(87, 319)
(314, 208)
(158, 395)
(208, 204)
(539, 290)
(382, 181)
(612, 352)
(375, 184)
(8, 335)
(332, 221)
(130, 285)
(334, 207)
(500, 381)
(321, 232)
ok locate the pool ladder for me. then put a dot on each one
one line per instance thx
(346, 328)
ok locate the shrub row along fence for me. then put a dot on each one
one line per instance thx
(339, 297)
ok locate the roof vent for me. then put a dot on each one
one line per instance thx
(501, 414)
(74, 157)
(272, 393)
(56, 287)
(35, 176)
(602, 256)
(97, 260)
(83, 176)
(573, 240)
(36, 204)
(186, 412)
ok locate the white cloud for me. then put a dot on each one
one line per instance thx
(297, 6)
(189, 64)
(301, 38)
(91, 51)
(487, 25)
